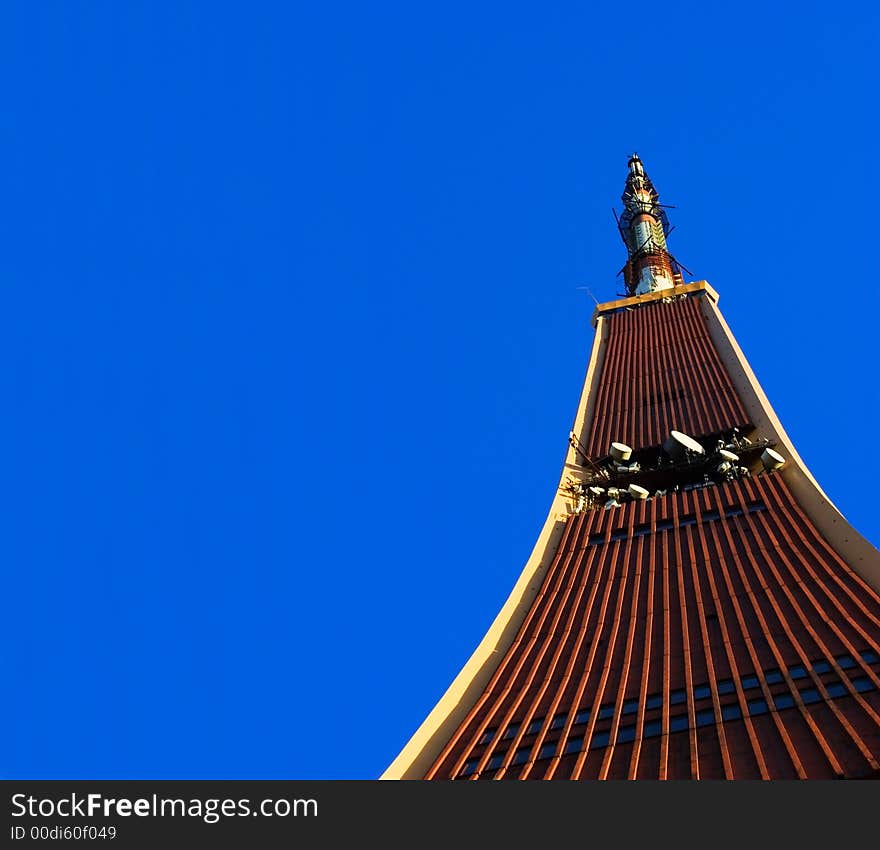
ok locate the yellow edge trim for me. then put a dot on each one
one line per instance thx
(683, 289)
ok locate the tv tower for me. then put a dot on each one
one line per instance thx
(695, 607)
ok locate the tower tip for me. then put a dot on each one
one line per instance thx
(644, 227)
(635, 165)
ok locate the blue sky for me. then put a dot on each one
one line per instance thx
(293, 335)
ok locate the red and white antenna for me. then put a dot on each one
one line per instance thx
(644, 226)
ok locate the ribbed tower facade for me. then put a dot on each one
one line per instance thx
(695, 606)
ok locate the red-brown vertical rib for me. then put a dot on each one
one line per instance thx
(707, 650)
(798, 543)
(625, 377)
(598, 630)
(583, 633)
(686, 649)
(691, 369)
(676, 411)
(717, 382)
(568, 596)
(666, 367)
(663, 767)
(779, 658)
(605, 386)
(834, 569)
(630, 635)
(537, 611)
(647, 650)
(614, 401)
(609, 400)
(568, 643)
(727, 634)
(606, 670)
(661, 372)
(807, 624)
(653, 376)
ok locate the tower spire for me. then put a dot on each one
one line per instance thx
(644, 227)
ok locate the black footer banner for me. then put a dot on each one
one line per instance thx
(337, 813)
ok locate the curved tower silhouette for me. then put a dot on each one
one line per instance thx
(695, 606)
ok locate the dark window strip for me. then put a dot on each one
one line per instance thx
(677, 723)
(810, 695)
(667, 524)
(510, 731)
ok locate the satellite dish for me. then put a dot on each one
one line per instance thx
(621, 451)
(772, 460)
(679, 445)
